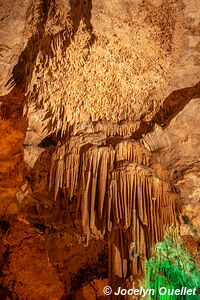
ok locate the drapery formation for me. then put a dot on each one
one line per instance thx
(118, 193)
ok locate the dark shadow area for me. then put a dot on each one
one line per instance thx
(5, 294)
(91, 272)
(41, 42)
(4, 225)
(172, 105)
(48, 141)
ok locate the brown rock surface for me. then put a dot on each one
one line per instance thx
(96, 97)
(12, 132)
(29, 266)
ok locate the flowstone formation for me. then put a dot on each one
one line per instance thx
(100, 103)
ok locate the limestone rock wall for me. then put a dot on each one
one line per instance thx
(99, 118)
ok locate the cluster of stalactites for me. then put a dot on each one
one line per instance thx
(66, 86)
(79, 79)
(68, 160)
(117, 192)
(142, 205)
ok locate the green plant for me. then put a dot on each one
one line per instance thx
(173, 268)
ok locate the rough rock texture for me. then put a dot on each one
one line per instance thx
(12, 133)
(179, 151)
(99, 116)
(13, 16)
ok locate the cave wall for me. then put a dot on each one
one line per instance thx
(95, 95)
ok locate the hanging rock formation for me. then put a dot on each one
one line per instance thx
(117, 192)
(99, 152)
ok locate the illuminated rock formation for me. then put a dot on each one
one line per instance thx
(117, 192)
(100, 104)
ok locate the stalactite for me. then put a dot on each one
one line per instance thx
(150, 199)
(117, 192)
(133, 152)
(67, 74)
(67, 162)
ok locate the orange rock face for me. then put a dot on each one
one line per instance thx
(12, 132)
